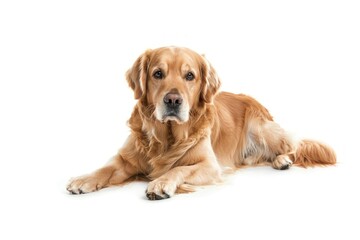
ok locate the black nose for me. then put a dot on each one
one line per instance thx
(173, 100)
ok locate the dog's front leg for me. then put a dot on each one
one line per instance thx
(196, 175)
(113, 173)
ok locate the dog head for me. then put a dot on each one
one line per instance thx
(173, 80)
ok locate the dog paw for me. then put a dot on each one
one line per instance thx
(282, 162)
(160, 189)
(83, 184)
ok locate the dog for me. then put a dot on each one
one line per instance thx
(184, 133)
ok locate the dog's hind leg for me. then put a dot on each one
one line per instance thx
(268, 142)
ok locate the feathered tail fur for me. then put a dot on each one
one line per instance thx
(310, 153)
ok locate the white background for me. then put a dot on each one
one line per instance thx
(64, 104)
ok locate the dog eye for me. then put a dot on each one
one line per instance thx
(189, 76)
(158, 75)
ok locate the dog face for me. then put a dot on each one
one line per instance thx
(174, 81)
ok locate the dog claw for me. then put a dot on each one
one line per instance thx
(285, 167)
(154, 196)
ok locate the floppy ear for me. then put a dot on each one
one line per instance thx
(137, 74)
(210, 81)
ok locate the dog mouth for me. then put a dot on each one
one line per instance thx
(178, 114)
(172, 115)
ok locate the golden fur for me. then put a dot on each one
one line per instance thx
(184, 133)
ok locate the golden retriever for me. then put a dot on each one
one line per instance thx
(184, 133)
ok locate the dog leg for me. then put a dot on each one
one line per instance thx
(282, 162)
(166, 185)
(112, 174)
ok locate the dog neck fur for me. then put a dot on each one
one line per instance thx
(164, 144)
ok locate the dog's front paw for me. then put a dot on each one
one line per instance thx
(83, 184)
(160, 189)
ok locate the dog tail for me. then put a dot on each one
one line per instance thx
(311, 153)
